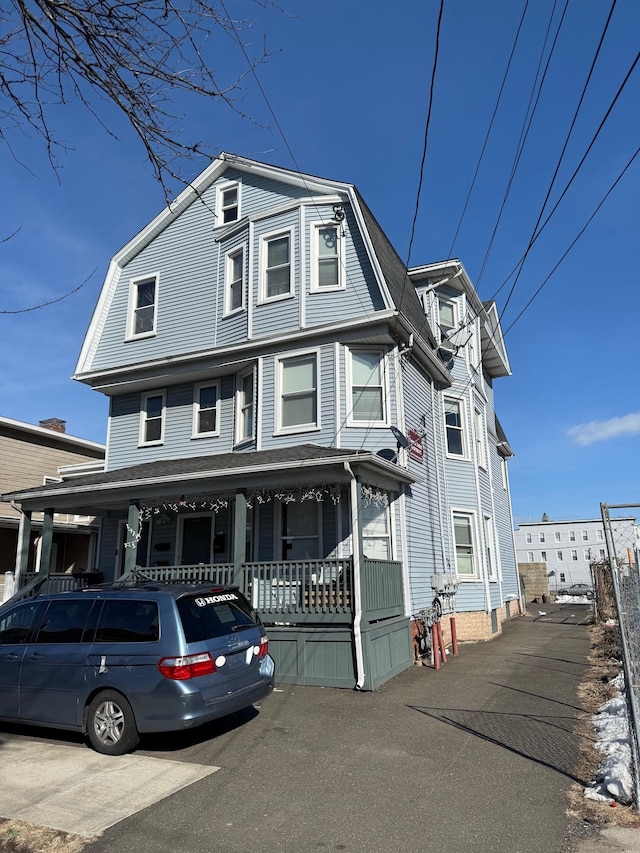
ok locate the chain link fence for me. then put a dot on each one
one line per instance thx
(617, 589)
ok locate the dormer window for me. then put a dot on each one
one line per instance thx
(228, 206)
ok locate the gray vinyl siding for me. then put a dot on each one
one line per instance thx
(186, 256)
(423, 505)
(124, 427)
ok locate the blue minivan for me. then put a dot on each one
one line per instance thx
(116, 662)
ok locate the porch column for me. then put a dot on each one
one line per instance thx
(131, 539)
(239, 535)
(22, 547)
(46, 542)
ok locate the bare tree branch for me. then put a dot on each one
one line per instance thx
(135, 54)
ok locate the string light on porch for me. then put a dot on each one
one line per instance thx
(372, 496)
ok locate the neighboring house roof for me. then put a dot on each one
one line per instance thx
(42, 434)
(167, 472)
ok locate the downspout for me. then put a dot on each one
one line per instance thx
(357, 596)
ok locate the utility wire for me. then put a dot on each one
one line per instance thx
(426, 133)
(524, 131)
(489, 129)
(562, 153)
(545, 222)
(573, 242)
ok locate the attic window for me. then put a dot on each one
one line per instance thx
(143, 305)
(228, 206)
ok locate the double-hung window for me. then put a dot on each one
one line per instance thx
(298, 393)
(228, 203)
(447, 318)
(327, 261)
(465, 545)
(300, 530)
(152, 416)
(234, 281)
(367, 387)
(376, 538)
(276, 278)
(245, 404)
(143, 304)
(453, 417)
(206, 407)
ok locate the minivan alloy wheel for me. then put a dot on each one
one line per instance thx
(111, 726)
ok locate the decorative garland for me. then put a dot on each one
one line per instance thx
(208, 503)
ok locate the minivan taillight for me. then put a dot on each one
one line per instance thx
(264, 647)
(188, 666)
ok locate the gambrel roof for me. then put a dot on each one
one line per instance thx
(402, 308)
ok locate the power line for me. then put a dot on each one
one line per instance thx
(562, 153)
(426, 131)
(490, 127)
(526, 127)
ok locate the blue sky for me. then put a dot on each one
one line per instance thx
(348, 84)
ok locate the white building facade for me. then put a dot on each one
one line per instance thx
(568, 547)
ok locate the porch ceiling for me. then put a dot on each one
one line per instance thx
(97, 494)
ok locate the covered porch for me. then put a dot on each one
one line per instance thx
(336, 610)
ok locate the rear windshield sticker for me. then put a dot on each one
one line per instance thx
(215, 599)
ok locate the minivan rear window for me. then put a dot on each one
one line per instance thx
(205, 617)
(128, 621)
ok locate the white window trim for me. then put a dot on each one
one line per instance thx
(228, 270)
(491, 555)
(315, 257)
(143, 418)
(131, 308)
(279, 429)
(196, 409)
(456, 319)
(351, 421)
(221, 188)
(242, 439)
(480, 438)
(476, 576)
(464, 429)
(262, 265)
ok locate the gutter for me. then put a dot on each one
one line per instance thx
(355, 550)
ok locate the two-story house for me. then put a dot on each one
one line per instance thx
(293, 411)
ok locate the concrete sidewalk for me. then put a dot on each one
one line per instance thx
(476, 757)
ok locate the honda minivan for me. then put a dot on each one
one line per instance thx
(115, 662)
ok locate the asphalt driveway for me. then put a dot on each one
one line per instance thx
(475, 757)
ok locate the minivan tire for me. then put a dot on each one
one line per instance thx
(111, 725)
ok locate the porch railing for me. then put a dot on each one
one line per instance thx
(382, 588)
(303, 591)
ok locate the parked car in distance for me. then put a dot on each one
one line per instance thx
(584, 589)
(117, 661)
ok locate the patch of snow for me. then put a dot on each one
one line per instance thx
(613, 779)
(573, 599)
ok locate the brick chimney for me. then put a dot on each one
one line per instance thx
(54, 424)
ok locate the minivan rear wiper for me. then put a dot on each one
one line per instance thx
(242, 627)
